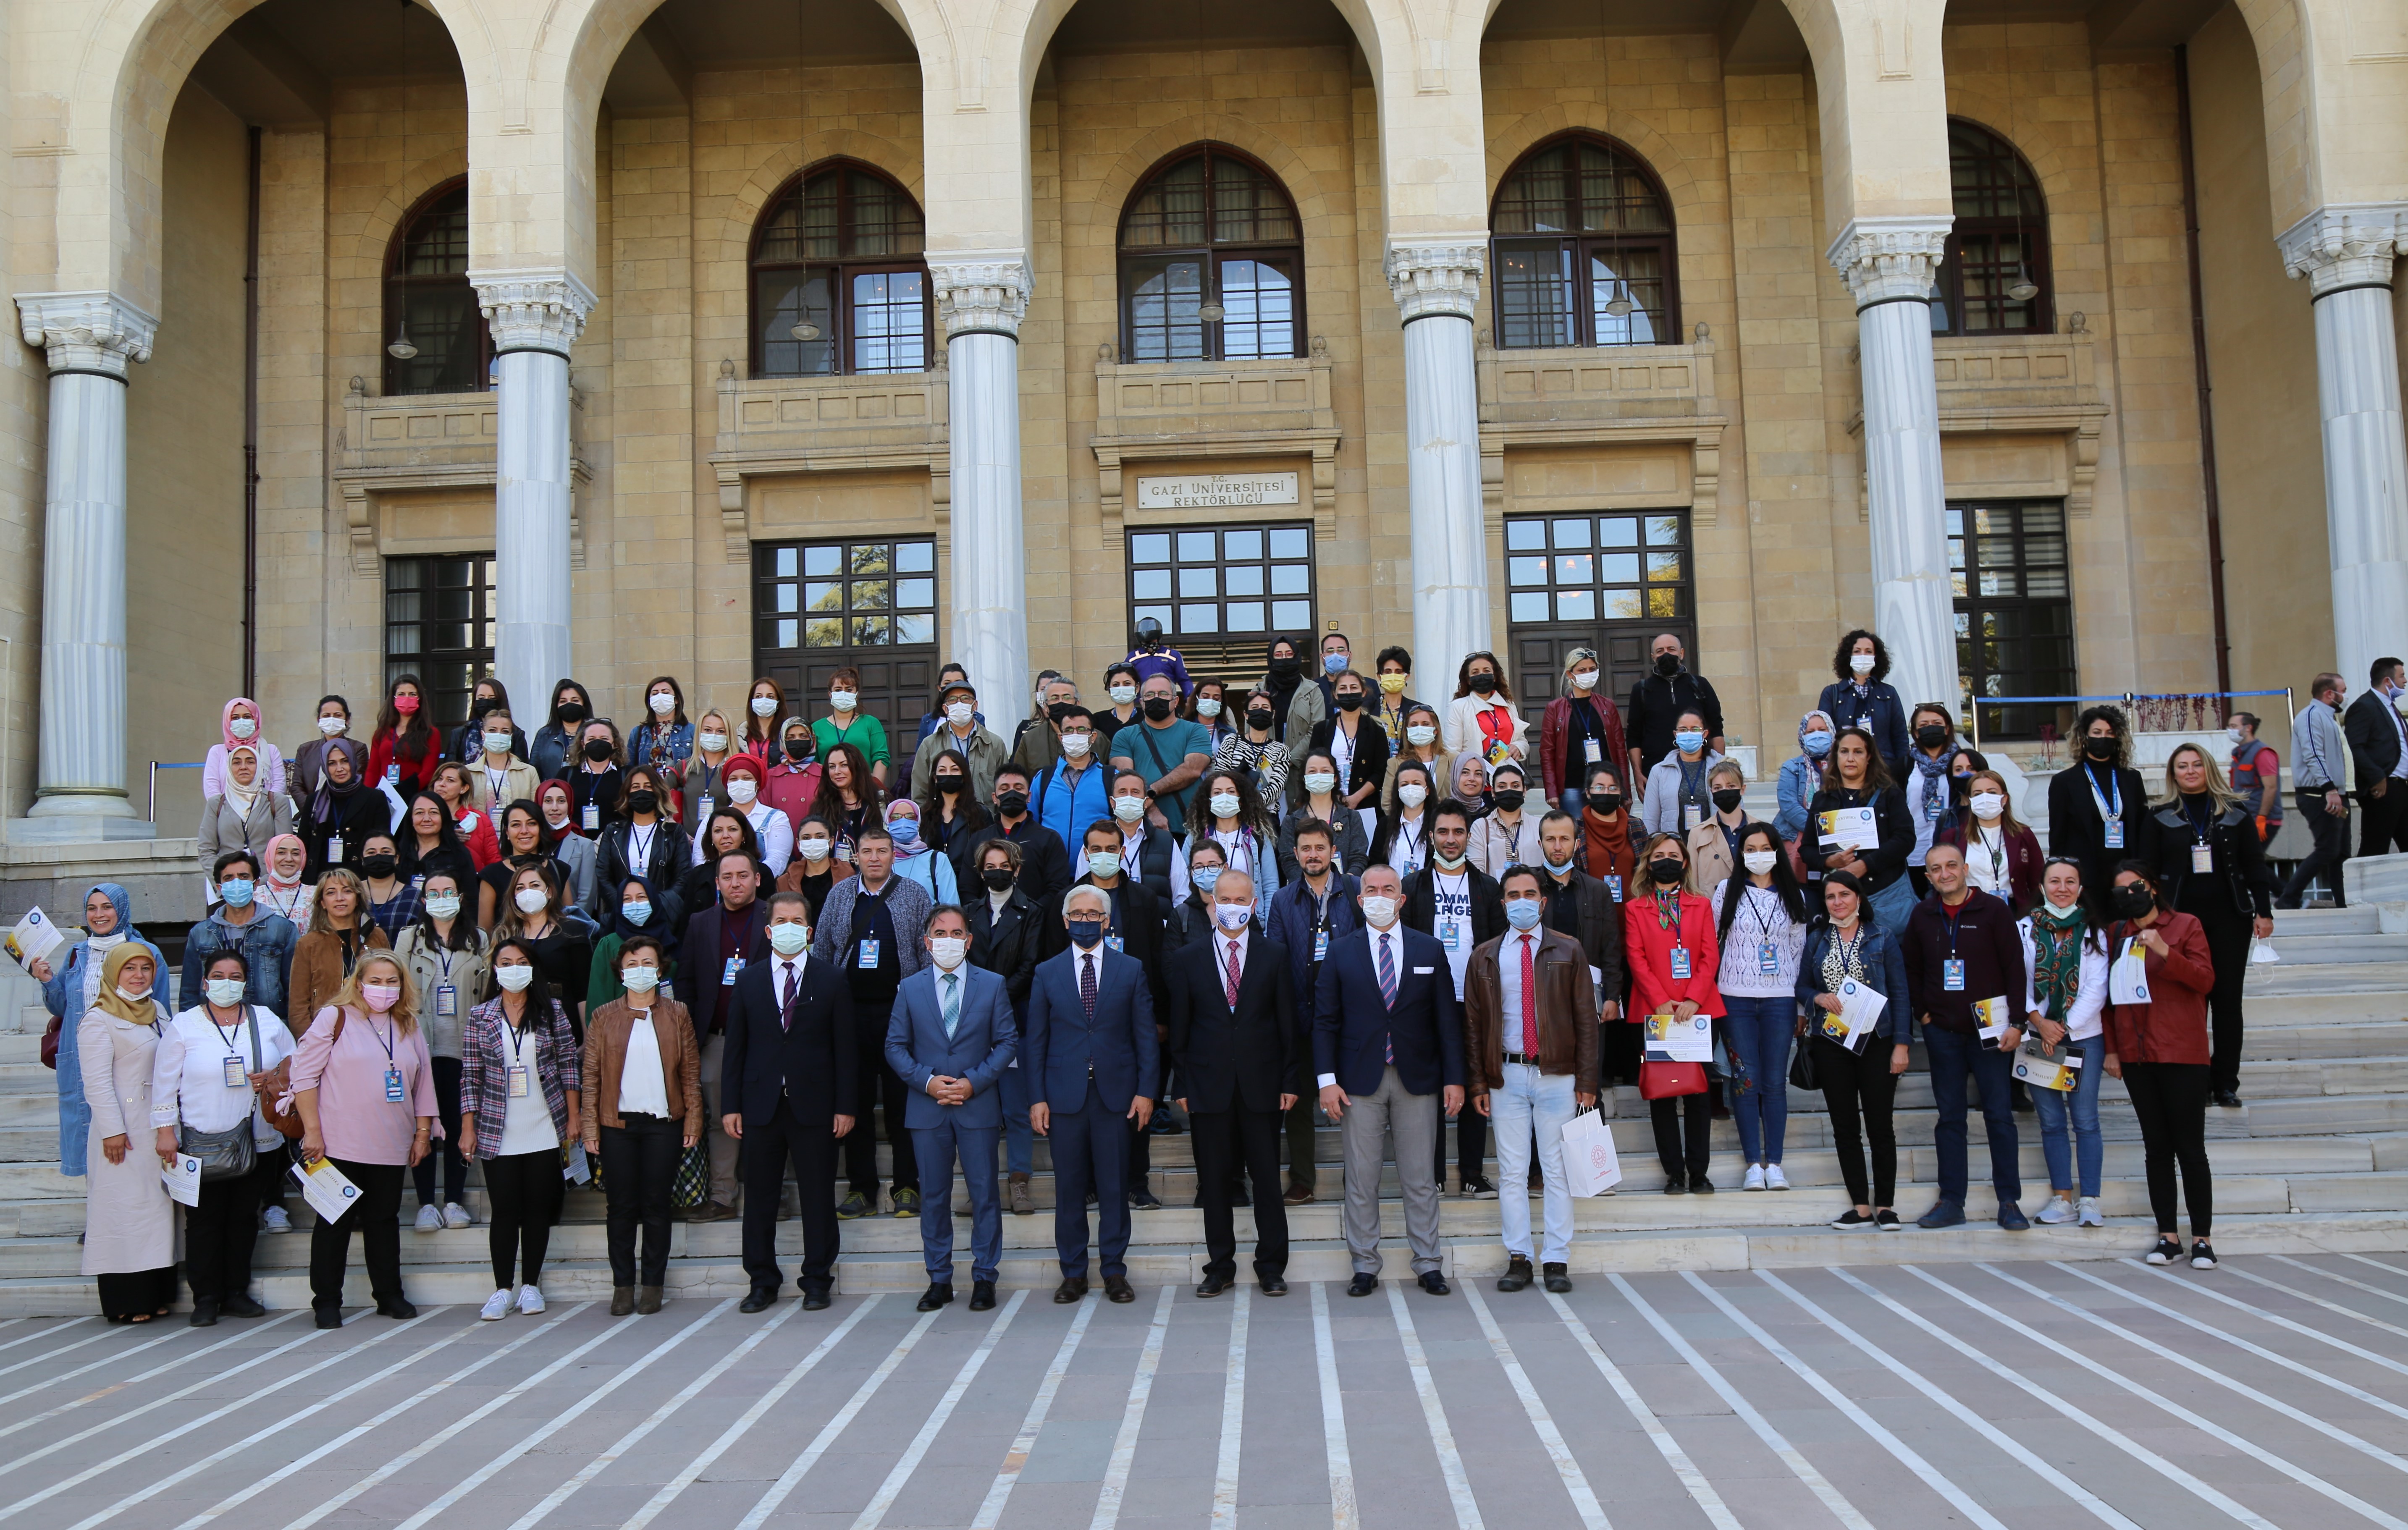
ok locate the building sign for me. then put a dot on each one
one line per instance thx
(1216, 491)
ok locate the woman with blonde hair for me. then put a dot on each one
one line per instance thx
(699, 789)
(340, 934)
(129, 1240)
(364, 1086)
(1714, 844)
(2211, 865)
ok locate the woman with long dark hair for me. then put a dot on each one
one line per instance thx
(1760, 928)
(406, 748)
(2160, 975)
(1402, 839)
(1874, 854)
(550, 751)
(1227, 812)
(519, 1096)
(850, 795)
(663, 740)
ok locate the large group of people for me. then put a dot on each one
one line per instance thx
(694, 957)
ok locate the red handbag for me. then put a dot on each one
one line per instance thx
(1670, 1080)
(51, 1044)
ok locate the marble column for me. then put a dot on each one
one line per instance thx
(1436, 285)
(89, 338)
(2347, 252)
(534, 317)
(1888, 265)
(980, 300)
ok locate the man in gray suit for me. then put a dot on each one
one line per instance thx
(949, 1040)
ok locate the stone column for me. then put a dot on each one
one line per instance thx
(89, 338)
(1888, 265)
(1436, 286)
(534, 317)
(980, 299)
(2346, 252)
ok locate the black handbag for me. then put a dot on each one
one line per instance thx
(1801, 1064)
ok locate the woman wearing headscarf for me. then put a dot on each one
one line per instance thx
(286, 888)
(631, 910)
(570, 849)
(129, 1239)
(342, 814)
(308, 764)
(773, 829)
(210, 1074)
(239, 727)
(1801, 776)
(246, 815)
(914, 858)
(794, 776)
(71, 990)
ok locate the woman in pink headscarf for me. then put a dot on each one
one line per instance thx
(242, 728)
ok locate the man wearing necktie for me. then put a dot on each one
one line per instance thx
(1530, 1047)
(789, 1078)
(1090, 1043)
(948, 1039)
(1387, 1049)
(1234, 1034)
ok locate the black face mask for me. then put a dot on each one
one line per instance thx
(1667, 665)
(1159, 708)
(1931, 736)
(997, 877)
(1059, 710)
(380, 867)
(568, 714)
(1509, 800)
(948, 785)
(798, 750)
(1012, 804)
(1260, 721)
(597, 750)
(2100, 747)
(483, 705)
(2134, 900)
(1728, 799)
(1666, 871)
(642, 801)
(1483, 684)
(1606, 804)
(1284, 665)
(1350, 701)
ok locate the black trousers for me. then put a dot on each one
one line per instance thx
(1224, 1141)
(1618, 1050)
(768, 1147)
(2383, 821)
(377, 1216)
(219, 1235)
(1303, 1123)
(2331, 835)
(456, 1168)
(525, 1189)
(1140, 1149)
(2171, 1099)
(876, 1084)
(1682, 1124)
(2228, 951)
(1470, 1149)
(1861, 1084)
(639, 1164)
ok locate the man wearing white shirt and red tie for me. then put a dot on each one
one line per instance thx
(1234, 1035)
(1530, 1049)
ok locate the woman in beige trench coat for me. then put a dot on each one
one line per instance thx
(129, 1238)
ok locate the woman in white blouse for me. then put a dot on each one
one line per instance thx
(2065, 959)
(1481, 718)
(214, 1065)
(644, 1114)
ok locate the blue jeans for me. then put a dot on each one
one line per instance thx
(1533, 1103)
(1759, 1031)
(1954, 1056)
(2083, 1101)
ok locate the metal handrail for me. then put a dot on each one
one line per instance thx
(150, 810)
(2129, 699)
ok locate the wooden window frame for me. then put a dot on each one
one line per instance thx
(482, 615)
(1969, 604)
(397, 281)
(1582, 246)
(1212, 253)
(843, 268)
(1949, 310)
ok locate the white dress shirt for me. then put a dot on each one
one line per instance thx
(643, 1089)
(188, 1072)
(1233, 950)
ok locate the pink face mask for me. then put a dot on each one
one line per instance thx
(405, 705)
(380, 997)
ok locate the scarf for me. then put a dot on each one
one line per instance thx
(331, 800)
(2057, 949)
(1606, 847)
(1933, 777)
(239, 797)
(143, 1011)
(1806, 725)
(225, 725)
(272, 879)
(1667, 909)
(627, 929)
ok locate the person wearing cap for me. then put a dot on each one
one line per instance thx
(981, 745)
(1151, 658)
(741, 778)
(931, 721)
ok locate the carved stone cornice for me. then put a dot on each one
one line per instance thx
(1886, 259)
(1439, 277)
(982, 292)
(533, 310)
(2344, 244)
(86, 332)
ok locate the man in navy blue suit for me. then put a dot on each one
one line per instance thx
(949, 1040)
(1388, 1047)
(1090, 1042)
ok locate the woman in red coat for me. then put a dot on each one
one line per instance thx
(2159, 974)
(1580, 729)
(407, 745)
(1667, 941)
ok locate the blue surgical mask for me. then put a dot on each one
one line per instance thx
(1555, 870)
(1689, 742)
(1524, 914)
(1103, 862)
(904, 830)
(1204, 877)
(236, 891)
(1088, 933)
(638, 913)
(1334, 663)
(1818, 743)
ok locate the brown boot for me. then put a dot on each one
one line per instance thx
(1024, 1202)
(648, 1299)
(622, 1300)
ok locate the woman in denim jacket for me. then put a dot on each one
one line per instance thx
(1844, 946)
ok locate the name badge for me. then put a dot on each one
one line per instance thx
(1689, 816)
(393, 775)
(392, 1085)
(2114, 834)
(234, 1076)
(1112, 942)
(1614, 885)
(447, 1000)
(2202, 857)
(1321, 945)
(702, 814)
(518, 1082)
(869, 959)
(1767, 961)
(1595, 750)
(1951, 975)
(735, 965)
(1933, 811)
(593, 818)
(1681, 964)
(844, 854)
(334, 848)
(1450, 934)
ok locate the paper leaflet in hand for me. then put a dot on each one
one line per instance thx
(1993, 1016)
(33, 938)
(329, 1192)
(577, 1170)
(2127, 977)
(2044, 1066)
(1671, 1041)
(183, 1180)
(1847, 829)
(1860, 1010)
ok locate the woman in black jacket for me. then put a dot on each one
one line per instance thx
(1862, 696)
(1007, 931)
(1367, 743)
(2099, 806)
(2212, 866)
(340, 816)
(646, 843)
(1855, 777)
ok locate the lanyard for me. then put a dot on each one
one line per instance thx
(386, 1041)
(1754, 915)
(517, 1037)
(2199, 826)
(639, 841)
(2108, 807)
(1411, 838)
(1952, 918)
(1997, 852)
(1691, 780)
(292, 900)
(1462, 888)
(1848, 953)
(226, 1037)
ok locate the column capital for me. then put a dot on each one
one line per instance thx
(1436, 277)
(1888, 260)
(533, 310)
(982, 292)
(2345, 243)
(87, 331)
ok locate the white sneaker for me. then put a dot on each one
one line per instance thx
(2090, 1213)
(429, 1219)
(2056, 1213)
(497, 1306)
(1774, 1179)
(275, 1221)
(530, 1300)
(1754, 1180)
(456, 1215)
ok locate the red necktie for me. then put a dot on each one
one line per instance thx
(1232, 979)
(1529, 1003)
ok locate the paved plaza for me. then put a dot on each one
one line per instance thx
(2270, 1393)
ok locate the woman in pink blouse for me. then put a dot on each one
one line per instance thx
(364, 1086)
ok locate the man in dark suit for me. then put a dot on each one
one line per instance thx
(1387, 1052)
(1234, 1035)
(1459, 904)
(1306, 915)
(2378, 759)
(790, 1069)
(1133, 927)
(1090, 1044)
(719, 941)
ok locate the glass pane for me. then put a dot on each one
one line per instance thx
(1198, 584)
(1617, 531)
(825, 595)
(1203, 618)
(921, 628)
(437, 242)
(1292, 615)
(1663, 568)
(872, 594)
(2047, 582)
(1530, 608)
(826, 632)
(1663, 531)
(1243, 580)
(786, 632)
(915, 557)
(1526, 570)
(1247, 208)
(1152, 547)
(1617, 569)
(1291, 580)
(1242, 546)
(785, 562)
(1536, 197)
(1663, 603)
(1258, 298)
(883, 222)
(889, 322)
(870, 557)
(1150, 584)
(1623, 605)
(1163, 298)
(1578, 605)
(784, 600)
(1521, 536)
(870, 632)
(1575, 568)
(1291, 543)
(1245, 616)
(1571, 534)
(444, 324)
(1635, 276)
(1533, 294)
(782, 299)
(915, 594)
(1170, 212)
(1198, 547)
(820, 562)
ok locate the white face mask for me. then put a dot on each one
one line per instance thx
(1123, 694)
(788, 938)
(1861, 664)
(812, 849)
(1585, 680)
(225, 992)
(947, 950)
(2232, 735)
(1320, 782)
(497, 743)
(514, 980)
(1987, 805)
(531, 900)
(1224, 805)
(1103, 863)
(841, 700)
(1760, 861)
(1128, 809)
(1076, 745)
(640, 980)
(1412, 794)
(959, 713)
(765, 705)
(1232, 917)
(242, 727)
(1379, 913)
(661, 703)
(443, 904)
(1421, 735)
(742, 790)
(712, 742)
(1208, 709)
(333, 727)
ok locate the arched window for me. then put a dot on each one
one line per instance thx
(839, 282)
(430, 311)
(1584, 249)
(1212, 263)
(1995, 278)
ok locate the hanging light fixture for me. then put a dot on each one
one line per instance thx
(2023, 289)
(401, 350)
(1619, 306)
(803, 330)
(1212, 312)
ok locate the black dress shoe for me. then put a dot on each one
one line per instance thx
(328, 1317)
(1116, 1288)
(1212, 1285)
(1700, 1185)
(1675, 1185)
(757, 1300)
(1144, 1200)
(1556, 1279)
(397, 1309)
(1362, 1285)
(205, 1315)
(2228, 1099)
(1274, 1285)
(241, 1306)
(1433, 1283)
(939, 1293)
(982, 1296)
(1072, 1289)
(1518, 1275)
(815, 1298)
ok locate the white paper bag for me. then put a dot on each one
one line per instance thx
(183, 1182)
(329, 1192)
(1590, 1166)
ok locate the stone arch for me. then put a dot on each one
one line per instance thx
(1693, 201)
(1313, 201)
(1883, 93)
(784, 162)
(357, 253)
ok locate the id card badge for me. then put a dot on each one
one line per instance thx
(1321, 945)
(393, 775)
(447, 1001)
(1767, 961)
(1595, 750)
(392, 1085)
(1681, 964)
(868, 961)
(1112, 943)
(1951, 975)
(727, 975)
(592, 817)
(2202, 857)
(234, 1076)
(1450, 935)
(702, 815)
(2114, 834)
(334, 848)
(1688, 816)
(1614, 885)
(519, 1082)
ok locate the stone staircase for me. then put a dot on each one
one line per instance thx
(2316, 1158)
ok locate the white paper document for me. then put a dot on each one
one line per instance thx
(33, 938)
(1860, 1010)
(1671, 1041)
(1847, 829)
(329, 1192)
(183, 1182)
(2128, 978)
(1993, 1016)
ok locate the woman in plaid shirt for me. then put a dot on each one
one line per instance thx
(513, 1054)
